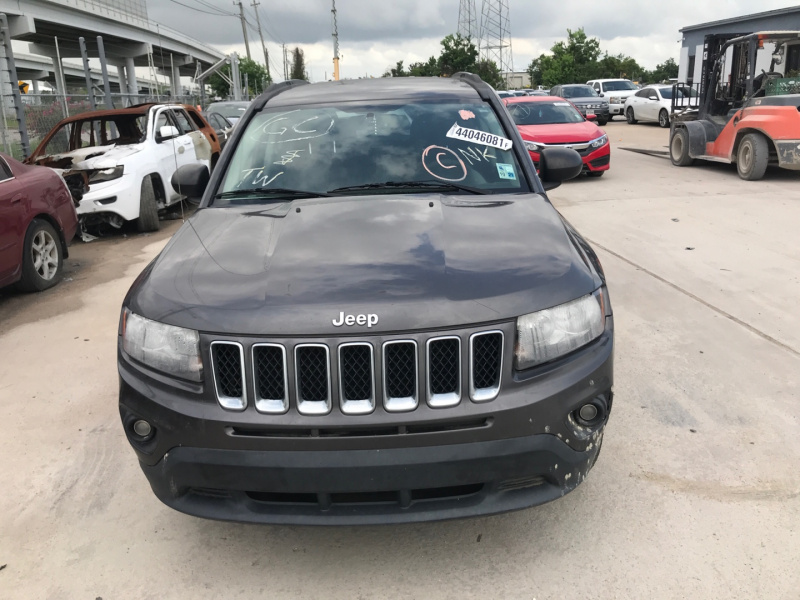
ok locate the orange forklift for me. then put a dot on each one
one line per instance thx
(739, 113)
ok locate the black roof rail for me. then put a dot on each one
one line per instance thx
(484, 90)
(274, 90)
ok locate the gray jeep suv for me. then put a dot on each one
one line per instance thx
(375, 316)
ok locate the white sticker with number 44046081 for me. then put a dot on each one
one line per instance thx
(478, 137)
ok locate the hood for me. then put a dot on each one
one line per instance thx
(422, 261)
(562, 133)
(97, 157)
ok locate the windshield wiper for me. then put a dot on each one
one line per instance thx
(388, 185)
(265, 192)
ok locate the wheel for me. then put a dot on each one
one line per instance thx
(629, 116)
(679, 148)
(752, 157)
(595, 173)
(602, 122)
(663, 118)
(41, 257)
(610, 117)
(148, 209)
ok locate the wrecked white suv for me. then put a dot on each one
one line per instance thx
(118, 163)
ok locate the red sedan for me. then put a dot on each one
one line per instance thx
(37, 223)
(551, 121)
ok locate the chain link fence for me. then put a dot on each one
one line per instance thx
(43, 111)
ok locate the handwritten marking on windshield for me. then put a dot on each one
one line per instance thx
(285, 128)
(259, 180)
(474, 155)
(439, 162)
(288, 157)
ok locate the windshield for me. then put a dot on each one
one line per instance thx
(618, 86)
(323, 148)
(544, 113)
(578, 91)
(228, 110)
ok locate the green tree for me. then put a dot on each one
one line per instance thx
(573, 61)
(257, 79)
(490, 73)
(458, 54)
(666, 70)
(426, 69)
(397, 71)
(298, 70)
(618, 66)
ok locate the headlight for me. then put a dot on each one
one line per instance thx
(532, 146)
(615, 100)
(599, 142)
(172, 350)
(106, 174)
(548, 334)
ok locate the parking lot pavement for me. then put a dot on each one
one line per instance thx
(695, 495)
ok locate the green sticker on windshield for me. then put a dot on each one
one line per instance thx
(506, 171)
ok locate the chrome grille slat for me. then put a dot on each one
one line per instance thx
(269, 378)
(356, 378)
(444, 371)
(485, 365)
(312, 374)
(227, 359)
(400, 375)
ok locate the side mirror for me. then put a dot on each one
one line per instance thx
(602, 95)
(190, 180)
(591, 117)
(557, 165)
(167, 132)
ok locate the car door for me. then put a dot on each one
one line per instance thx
(13, 209)
(652, 104)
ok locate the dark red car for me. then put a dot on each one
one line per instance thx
(551, 121)
(37, 223)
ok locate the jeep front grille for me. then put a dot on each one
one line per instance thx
(437, 370)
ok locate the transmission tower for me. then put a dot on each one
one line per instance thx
(468, 21)
(496, 34)
(335, 43)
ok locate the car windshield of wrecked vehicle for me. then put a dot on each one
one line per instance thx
(380, 148)
(118, 130)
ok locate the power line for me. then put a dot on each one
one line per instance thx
(216, 14)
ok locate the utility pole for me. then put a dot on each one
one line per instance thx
(285, 64)
(335, 44)
(244, 26)
(263, 45)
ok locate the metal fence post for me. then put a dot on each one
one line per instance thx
(101, 53)
(12, 75)
(87, 72)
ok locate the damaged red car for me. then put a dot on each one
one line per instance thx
(37, 224)
(549, 121)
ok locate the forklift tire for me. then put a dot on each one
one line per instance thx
(752, 157)
(679, 148)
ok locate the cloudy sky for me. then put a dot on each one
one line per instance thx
(375, 34)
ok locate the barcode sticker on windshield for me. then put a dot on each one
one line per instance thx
(478, 137)
(560, 103)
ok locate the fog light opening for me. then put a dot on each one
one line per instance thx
(142, 428)
(588, 412)
(591, 413)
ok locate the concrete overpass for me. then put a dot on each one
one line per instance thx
(130, 40)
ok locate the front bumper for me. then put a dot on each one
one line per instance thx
(601, 113)
(119, 196)
(522, 449)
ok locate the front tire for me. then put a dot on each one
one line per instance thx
(595, 173)
(148, 209)
(679, 148)
(629, 116)
(42, 258)
(663, 118)
(602, 122)
(752, 157)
